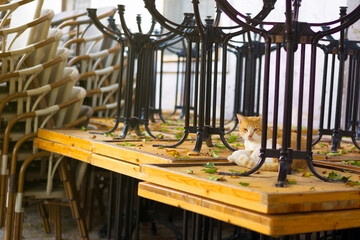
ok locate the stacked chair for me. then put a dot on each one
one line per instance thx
(64, 64)
(100, 62)
(99, 75)
(37, 89)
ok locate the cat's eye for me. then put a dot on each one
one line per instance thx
(255, 129)
(245, 129)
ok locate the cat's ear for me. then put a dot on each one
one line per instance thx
(260, 118)
(240, 117)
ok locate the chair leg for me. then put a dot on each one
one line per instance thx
(3, 190)
(19, 220)
(57, 221)
(71, 196)
(9, 221)
(90, 195)
(44, 218)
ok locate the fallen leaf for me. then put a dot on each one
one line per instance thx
(173, 153)
(244, 184)
(306, 174)
(209, 170)
(209, 165)
(291, 181)
(191, 153)
(216, 178)
(214, 153)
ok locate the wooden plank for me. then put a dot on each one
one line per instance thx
(309, 194)
(62, 149)
(115, 165)
(269, 224)
(146, 153)
(141, 152)
(66, 137)
(126, 154)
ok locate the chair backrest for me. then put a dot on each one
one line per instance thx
(65, 16)
(11, 37)
(88, 64)
(83, 45)
(35, 76)
(40, 118)
(8, 8)
(104, 100)
(83, 25)
(69, 110)
(30, 99)
(31, 55)
(94, 80)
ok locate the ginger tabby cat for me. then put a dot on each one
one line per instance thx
(250, 129)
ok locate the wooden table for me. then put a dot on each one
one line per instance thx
(120, 156)
(123, 157)
(179, 180)
(269, 224)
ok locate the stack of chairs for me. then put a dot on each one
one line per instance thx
(99, 72)
(36, 90)
(100, 62)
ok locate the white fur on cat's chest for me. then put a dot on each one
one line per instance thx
(251, 145)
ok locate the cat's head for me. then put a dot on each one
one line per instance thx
(250, 128)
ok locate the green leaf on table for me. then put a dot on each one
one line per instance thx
(209, 170)
(189, 171)
(83, 128)
(306, 174)
(234, 171)
(220, 145)
(233, 138)
(312, 189)
(337, 176)
(179, 135)
(244, 184)
(126, 144)
(209, 165)
(129, 144)
(291, 181)
(300, 170)
(216, 178)
(214, 153)
(159, 136)
(352, 183)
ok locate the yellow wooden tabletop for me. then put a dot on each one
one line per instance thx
(121, 156)
(134, 150)
(257, 192)
(306, 205)
(269, 224)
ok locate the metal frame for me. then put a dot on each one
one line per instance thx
(292, 34)
(207, 40)
(140, 48)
